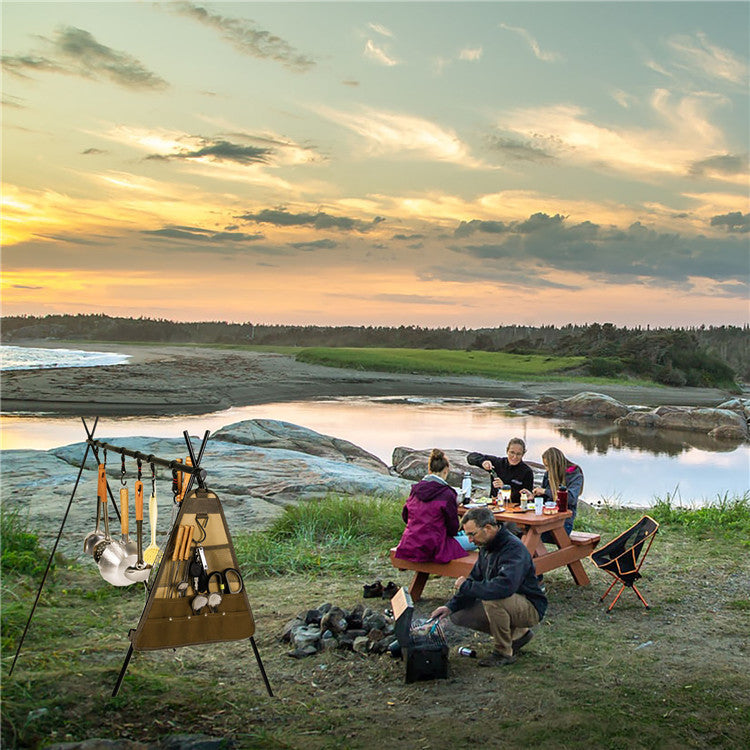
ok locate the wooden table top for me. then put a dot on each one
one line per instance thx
(525, 518)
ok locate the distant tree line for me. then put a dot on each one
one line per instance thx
(697, 356)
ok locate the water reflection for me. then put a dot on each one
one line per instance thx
(596, 437)
(629, 465)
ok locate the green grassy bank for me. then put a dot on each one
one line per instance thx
(499, 365)
(674, 676)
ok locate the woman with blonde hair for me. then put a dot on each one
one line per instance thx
(431, 517)
(559, 471)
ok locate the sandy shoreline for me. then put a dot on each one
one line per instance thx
(167, 380)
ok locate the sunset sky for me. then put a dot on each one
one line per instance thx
(454, 163)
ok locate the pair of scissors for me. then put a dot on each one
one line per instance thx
(228, 580)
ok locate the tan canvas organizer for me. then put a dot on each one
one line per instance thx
(168, 620)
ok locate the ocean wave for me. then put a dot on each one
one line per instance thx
(36, 358)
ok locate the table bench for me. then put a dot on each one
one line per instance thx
(582, 545)
(461, 566)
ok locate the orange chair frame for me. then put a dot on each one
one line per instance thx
(628, 563)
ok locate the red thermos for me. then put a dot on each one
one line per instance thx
(562, 498)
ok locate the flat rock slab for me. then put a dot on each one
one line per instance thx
(254, 482)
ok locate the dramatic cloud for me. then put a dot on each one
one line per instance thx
(683, 129)
(221, 150)
(518, 150)
(698, 55)
(535, 48)
(466, 228)
(548, 243)
(388, 133)
(246, 37)
(724, 164)
(734, 222)
(379, 54)
(201, 235)
(76, 52)
(320, 220)
(314, 245)
(221, 157)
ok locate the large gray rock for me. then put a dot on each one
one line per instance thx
(720, 423)
(586, 404)
(254, 482)
(411, 463)
(271, 433)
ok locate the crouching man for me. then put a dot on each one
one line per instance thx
(502, 595)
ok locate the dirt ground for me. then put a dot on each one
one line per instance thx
(673, 676)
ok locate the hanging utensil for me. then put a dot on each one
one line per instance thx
(94, 537)
(109, 553)
(138, 571)
(129, 546)
(151, 552)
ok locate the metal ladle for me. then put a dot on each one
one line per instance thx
(97, 535)
(108, 553)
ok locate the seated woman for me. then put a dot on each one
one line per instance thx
(559, 470)
(511, 470)
(431, 517)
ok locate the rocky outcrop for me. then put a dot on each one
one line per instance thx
(271, 433)
(286, 465)
(411, 464)
(586, 404)
(719, 423)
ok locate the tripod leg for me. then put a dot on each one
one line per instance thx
(260, 665)
(122, 671)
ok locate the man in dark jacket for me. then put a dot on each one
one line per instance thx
(501, 596)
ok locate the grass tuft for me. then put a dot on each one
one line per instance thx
(335, 534)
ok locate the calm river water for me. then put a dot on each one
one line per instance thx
(627, 466)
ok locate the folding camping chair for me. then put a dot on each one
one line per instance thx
(623, 556)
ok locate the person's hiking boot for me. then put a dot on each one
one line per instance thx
(496, 659)
(373, 590)
(390, 590)
(519, 643)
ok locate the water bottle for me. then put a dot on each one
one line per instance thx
(466, 486)
(562, 498)
(538, 505)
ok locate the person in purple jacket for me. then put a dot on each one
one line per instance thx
(431, 517)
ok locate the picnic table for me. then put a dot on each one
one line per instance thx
(567, 549)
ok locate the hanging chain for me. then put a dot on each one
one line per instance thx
(139, 464)
(122, 470)
(153, 479)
